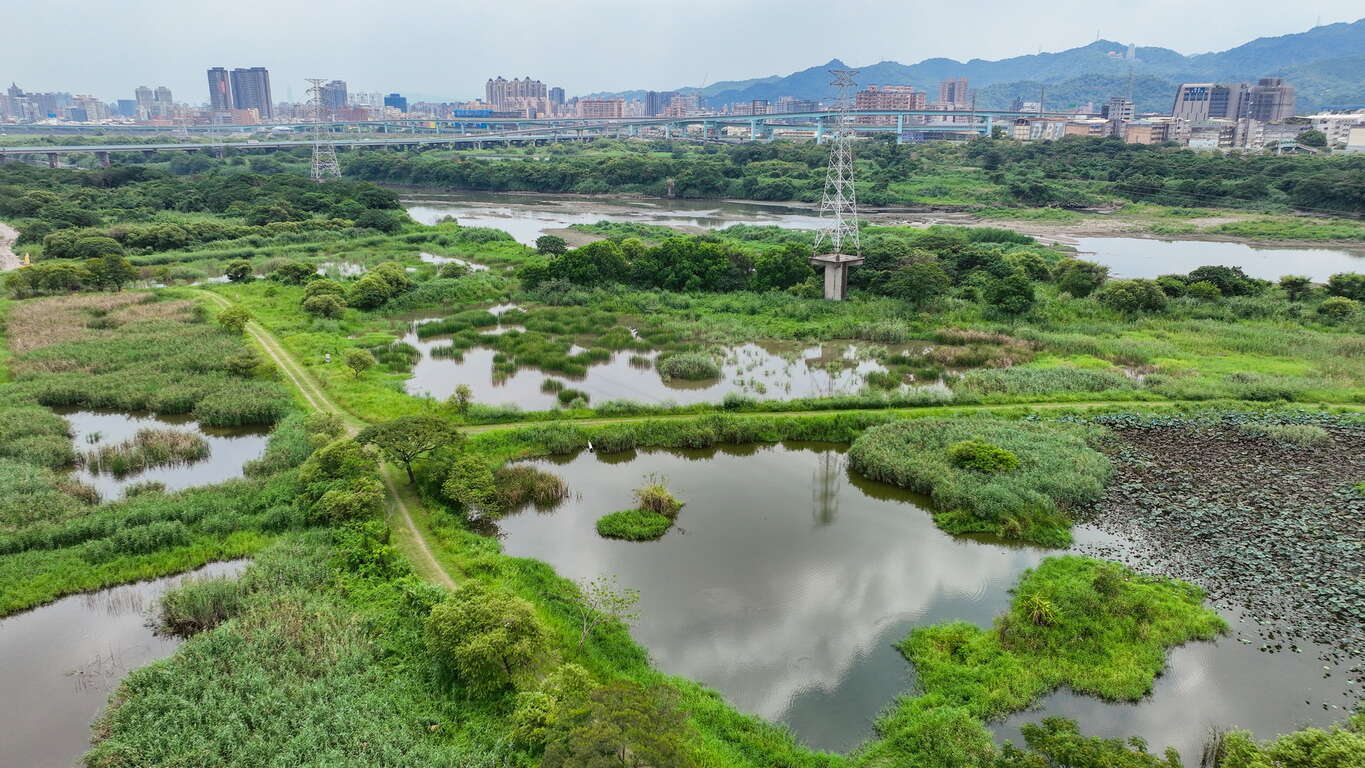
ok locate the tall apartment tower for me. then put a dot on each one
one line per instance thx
(334, 96)
(220, 90)
(953, 92)
(1270, 100)
(1202, 101)
(556, 96)
(251, 90)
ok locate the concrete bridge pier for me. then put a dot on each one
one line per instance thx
(836, 267)
(103, 157)
(51, 159)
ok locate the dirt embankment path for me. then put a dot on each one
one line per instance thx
(8, 259)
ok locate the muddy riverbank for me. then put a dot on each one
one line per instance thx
(8, 259)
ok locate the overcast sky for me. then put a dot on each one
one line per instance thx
(445, 49)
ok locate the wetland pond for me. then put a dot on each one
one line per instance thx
(1142, 257)
(59, 663)
(229, 449)
(788, 579)
(765, 370)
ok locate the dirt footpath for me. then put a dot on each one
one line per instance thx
(8, 260)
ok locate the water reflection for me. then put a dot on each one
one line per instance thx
(788, 579)
(60, 662)
(783, 585)
(229, 450)
(763, 370)
(1141, 257)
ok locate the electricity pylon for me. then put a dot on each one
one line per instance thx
(325, 166)
(836, 245)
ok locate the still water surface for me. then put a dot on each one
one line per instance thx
(1141, 257)
(229, 449)
(59, 663)
(788, 578)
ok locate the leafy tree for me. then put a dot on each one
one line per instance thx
(1296, 287)
(622, 724)
(324, 286)
(1338, 308)
(1057, 743)
(470, 483)
(1230, 281)
(1348, 284)
(238, 271)
(918, 282)
(1132, 296)
(294, 273)
(602, 600)
(234, 319)
(485, 640)
(359, 361)
(267, 213)
(1203, 290)
(1079, 278)
(387, 222)
(781, 269)
(1012, 295)
(370, 292)
(407, 438)
(324, 305)
(462, 398)
(96, 247)
(551, 245)
(1313, 138)
(112, 271)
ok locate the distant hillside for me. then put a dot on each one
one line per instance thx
(1325, 63)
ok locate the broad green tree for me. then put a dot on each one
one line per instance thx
(407, 438)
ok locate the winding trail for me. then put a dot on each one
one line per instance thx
(413, 539)
(8, 259)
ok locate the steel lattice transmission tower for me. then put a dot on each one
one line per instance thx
(836, 245)
(325, 166)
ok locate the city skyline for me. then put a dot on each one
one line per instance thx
(633, 48)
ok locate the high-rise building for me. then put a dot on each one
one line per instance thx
(603, 109)
(1270, 100)
(657, 101)
(163, 95)
(251, 90)
(220, 90)
(556, 96)
(397, 101)
(143, 96)
(1195, 102)
(953, 93)
(334, 96)
(513, 94)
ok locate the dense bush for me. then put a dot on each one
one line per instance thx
(634, 525)
(982, 457)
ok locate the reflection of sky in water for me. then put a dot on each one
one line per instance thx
(60, 662)
(526, 217)
(788, 579)
(229, 449)
(783, 585)
(1140, 257)
(778, 371)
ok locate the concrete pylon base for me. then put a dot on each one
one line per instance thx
(836, 267)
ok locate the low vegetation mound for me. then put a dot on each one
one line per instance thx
(1010, 478)
(1096, 627)
(519, 484)
(633, 524)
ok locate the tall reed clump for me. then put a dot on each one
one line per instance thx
(148, 448)
(520, 484)
(689, 366)
(1009, 478)
(199, 604)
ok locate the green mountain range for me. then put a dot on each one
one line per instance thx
(1326, 64)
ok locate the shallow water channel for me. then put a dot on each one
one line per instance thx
(768, 370)
(788, 578)
(229, 449)
(59, 663)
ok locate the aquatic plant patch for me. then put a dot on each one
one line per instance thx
(1053, 471)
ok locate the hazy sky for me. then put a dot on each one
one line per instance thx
(447, 48)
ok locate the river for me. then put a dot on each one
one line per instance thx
(528, 216)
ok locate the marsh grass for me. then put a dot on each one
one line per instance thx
(520, 484)
(688, 366)
(1054, 472)
(148, 448)
(633, 525)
